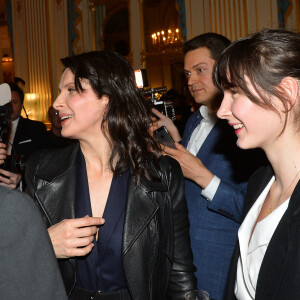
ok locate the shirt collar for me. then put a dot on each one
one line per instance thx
(204, 112)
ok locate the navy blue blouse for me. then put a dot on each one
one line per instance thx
(101, 269)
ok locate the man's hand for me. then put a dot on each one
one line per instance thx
(10, 179)
(153, 126)
(192, 167)
(7, 178)
(74, 237)
(3, 153)
(168, 123)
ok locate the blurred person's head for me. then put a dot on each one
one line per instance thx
(54, 119)
(99, 96)
(201, 53)
(17, 99)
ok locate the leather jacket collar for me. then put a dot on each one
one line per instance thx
(57, 195)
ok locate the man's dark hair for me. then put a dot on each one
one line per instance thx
(215, 42)
(15, 88)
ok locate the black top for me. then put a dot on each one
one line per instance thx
(156, 253)
(102, 268)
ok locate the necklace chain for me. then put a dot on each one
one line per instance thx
(273, 205)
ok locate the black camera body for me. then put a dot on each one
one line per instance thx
(14, 163)
(164, 107)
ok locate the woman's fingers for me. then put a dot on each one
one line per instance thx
(74, 237)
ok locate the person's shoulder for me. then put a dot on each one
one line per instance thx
(32, 123)
(15, 202)
(52, 157)
(167, 161)
(169, 166)
(163, 163)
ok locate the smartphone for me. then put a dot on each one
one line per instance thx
(164, 137)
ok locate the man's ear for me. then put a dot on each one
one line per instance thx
(290, 87)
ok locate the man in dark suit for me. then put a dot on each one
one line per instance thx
(27, 136)
(28, 267)
(216, 171)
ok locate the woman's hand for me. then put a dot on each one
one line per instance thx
(10, 179)
(74, 237)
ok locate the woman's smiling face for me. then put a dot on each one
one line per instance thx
(254, 125)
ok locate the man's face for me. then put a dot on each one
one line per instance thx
(198, 68)
(16, 106)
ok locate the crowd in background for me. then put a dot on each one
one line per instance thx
(128, 217)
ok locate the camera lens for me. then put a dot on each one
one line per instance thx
(14, 163)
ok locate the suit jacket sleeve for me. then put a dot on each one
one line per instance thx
(29, 269)
(229, 200)
(234, 169)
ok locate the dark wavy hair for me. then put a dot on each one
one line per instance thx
(128, 116)
(265, 58)
(15, 88)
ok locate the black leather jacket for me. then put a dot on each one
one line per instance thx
(157, 257)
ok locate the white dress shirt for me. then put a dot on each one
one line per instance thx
(253, 249)
(202, 130)
(197, 139)
(13, 129)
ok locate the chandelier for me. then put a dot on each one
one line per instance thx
(168, 40)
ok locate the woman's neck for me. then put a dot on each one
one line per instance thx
(285, 160)
(97, 155)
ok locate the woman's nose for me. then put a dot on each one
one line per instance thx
(58, 102)
(224, 111)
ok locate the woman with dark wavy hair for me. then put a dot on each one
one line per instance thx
(260, 76)
(114, 207)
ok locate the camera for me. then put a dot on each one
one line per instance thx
(14, 163)
(154, 95)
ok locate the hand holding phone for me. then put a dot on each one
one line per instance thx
(164, 137)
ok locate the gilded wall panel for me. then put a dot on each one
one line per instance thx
(32, 53)
(232, 18)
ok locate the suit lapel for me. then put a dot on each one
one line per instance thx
(258, 184)
(255, 188)
(273, 268)
(59, 197)
(140, 209)
(210, 142)
(196, 120)
(57, 187)
(18, 133)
